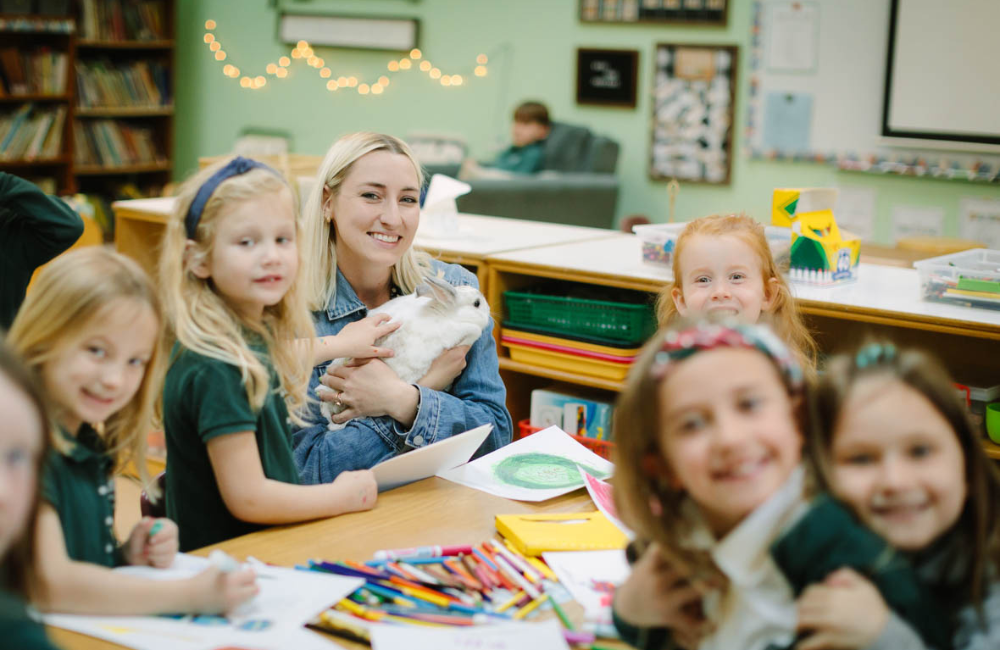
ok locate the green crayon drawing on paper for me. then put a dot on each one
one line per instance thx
(537, 471)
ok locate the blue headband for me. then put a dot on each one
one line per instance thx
(235, 167)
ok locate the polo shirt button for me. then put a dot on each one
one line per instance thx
(108, 548)
(418, 440)
(102, 490)
(108, 521)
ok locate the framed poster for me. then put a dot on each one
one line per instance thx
(692, 12)
(694, 92)
(606, 77)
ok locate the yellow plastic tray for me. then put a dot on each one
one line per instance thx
(568, 363)
(579, 345)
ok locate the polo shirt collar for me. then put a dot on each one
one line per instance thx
(743, 555)
(86, 445)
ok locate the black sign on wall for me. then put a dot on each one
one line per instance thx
(606, 77)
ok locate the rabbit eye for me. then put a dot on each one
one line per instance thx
(476, 304)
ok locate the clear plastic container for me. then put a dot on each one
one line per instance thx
(659, 240)
(970, 278)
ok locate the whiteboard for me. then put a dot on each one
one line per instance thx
(817, 80)
(943, 80)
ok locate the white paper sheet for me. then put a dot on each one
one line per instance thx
(539, 467)
(429, 460)
(792, 37)
(439, 216)
(579, 570)
(287, 599)
(546, 635)
(979, 219)
(913, 221)
(855, 211)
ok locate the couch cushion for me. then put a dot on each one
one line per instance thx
(566, 148)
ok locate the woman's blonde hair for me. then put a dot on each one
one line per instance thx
(647, 492)
(202, 321)
(319, 273)
(72, 290)
(784, 316)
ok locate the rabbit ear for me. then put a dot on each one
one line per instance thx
(441, 290)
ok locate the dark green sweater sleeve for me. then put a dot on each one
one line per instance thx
(828, 538)
(34, 228)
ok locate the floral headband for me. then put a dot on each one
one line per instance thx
(679, 344)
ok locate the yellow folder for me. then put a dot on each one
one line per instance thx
(578, 531)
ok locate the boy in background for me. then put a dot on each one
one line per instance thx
(524, 156)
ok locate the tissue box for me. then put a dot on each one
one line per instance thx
(820, 253)
(578, 416)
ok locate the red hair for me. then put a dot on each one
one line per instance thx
(784, 316)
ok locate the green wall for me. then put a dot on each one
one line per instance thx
(532, 45)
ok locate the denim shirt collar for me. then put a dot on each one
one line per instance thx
(345, 301)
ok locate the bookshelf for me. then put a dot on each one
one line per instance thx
(114, 93)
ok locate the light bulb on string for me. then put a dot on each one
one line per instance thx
(377, 89)
(383, 80)
(282, 73)
(425, 65)
(405, 64)
(480, 71)
(393, 66)
(209, 38)
(220, 56)
(209, 24)
(435, 73)
(215, 46)
(415, 53)
(284, 62)
(325, 73)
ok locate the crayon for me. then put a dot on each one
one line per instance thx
(156, 527)
(530, 607)
(515, 599)
(562, 615)
(421, 551)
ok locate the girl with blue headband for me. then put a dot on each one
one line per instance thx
(709, 474)
(238, 372)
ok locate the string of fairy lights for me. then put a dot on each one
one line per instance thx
(303, 52)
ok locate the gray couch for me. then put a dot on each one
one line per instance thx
(577, 184)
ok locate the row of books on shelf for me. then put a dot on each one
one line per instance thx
(122, 20)
(107, 143)
(31, 133)
(37, 24)
(101, 83)
(38, 72)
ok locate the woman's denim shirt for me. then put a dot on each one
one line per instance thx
(476, 397)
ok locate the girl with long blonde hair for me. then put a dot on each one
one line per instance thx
(91, 330)
(238, 375)
(360, 222)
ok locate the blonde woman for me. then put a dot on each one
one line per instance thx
(359, 224)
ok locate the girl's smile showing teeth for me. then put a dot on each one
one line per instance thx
(741, 471)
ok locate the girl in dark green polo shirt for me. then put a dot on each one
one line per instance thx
(91, 331)
(23, 444)
(894, 442)
(237, 376)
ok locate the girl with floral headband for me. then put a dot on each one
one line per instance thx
(894, 443)
(709, 475)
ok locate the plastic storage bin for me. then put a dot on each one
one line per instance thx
(602, 448)
(660, 239)
(970, 278)
(597, 320)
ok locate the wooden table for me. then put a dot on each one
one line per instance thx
(432, 511)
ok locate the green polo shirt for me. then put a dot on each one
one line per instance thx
(80, 486)
(204, 398)
(34, 228)
(16, 629)
(521, 160)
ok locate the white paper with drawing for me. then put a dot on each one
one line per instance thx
(539, 467)
(430, 459)
(287, 600)
(508, 636)
(979, 220)
(591, 578)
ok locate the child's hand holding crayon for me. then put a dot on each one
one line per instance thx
(224, 586)
(153, 542)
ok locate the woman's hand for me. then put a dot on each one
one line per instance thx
(445, 368)
(370, 388)
(845, 612)
(152, 550)
(658, 595)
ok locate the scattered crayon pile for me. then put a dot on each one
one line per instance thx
(481, 584)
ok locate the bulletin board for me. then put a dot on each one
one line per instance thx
(817, 80)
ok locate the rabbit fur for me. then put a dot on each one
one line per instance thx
(436, 317)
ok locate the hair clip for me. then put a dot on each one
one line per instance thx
(873, 354)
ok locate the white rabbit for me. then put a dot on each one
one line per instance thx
(436, 317)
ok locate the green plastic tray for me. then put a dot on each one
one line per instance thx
(608, 321)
